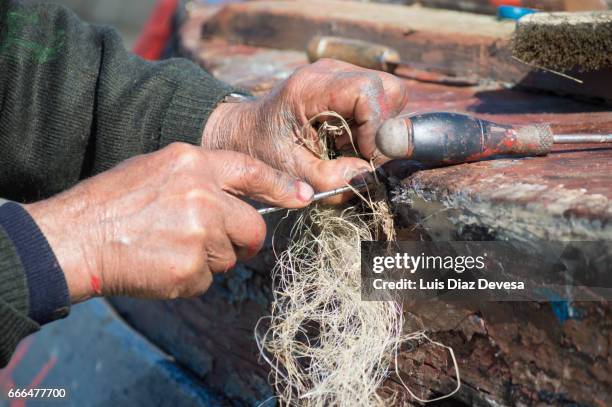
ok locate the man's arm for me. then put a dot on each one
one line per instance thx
(74, 102)
(157, 225)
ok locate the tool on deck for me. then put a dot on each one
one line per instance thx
(452, 138)
(379, 57)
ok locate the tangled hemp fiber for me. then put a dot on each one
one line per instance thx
(325, 345)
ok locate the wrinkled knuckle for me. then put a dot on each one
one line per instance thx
(263, 184)
(177, 147)
(250, 171)
(200, 227)
(196, 197)
(267, 186)
(245, 170)
(198, 232)
(185, 155)
(197, 210)
(281, 186)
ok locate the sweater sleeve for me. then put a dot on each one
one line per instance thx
(74, 102)
(14, 299)
(14, 321)
(33, 290)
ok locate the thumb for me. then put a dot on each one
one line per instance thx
(244, 175)
(325, 175)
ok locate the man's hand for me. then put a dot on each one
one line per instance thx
(270, 128)
(159, 225)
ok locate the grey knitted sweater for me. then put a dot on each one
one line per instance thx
(73, 103)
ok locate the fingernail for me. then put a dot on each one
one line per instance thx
(304, 191)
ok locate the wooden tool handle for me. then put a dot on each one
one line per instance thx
(357, 52)
(453, 138)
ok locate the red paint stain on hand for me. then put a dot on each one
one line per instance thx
(96, 285)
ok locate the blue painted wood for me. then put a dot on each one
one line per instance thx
(101, 361)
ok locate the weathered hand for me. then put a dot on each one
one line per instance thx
(270, 128)
(158, 225)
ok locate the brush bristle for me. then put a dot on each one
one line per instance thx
(565, 41)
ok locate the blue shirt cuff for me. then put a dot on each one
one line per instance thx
(49, 299)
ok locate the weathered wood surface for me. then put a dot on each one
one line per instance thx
(450, 42)
(565, 196)
(514, 353)
(464, 44)
(508, 353)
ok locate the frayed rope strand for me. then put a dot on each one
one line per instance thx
(324, 345)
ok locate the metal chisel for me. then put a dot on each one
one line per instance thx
(363, 182)
(317, 197)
